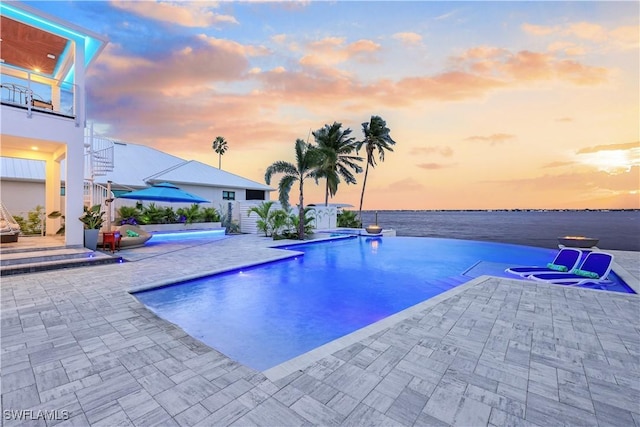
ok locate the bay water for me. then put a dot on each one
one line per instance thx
(616, 229)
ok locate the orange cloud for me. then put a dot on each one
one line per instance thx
(557, 164)
(408, 38)
(434, 166)
(608, 147)
(623, 37)
(404, 185)
(184, 14)
(496, 138)
(538, 30)
(452, 85)
(525, 66)
(587, 182)
(333, 50)
(587, 30)
(443, 151)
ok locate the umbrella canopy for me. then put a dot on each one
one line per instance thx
(164, 192)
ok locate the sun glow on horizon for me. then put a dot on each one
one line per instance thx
(614, 161)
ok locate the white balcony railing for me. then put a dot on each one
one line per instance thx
(35, 92)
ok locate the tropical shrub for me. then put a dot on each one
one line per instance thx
(33, 223)
(210, 215)
(278, 221)
(21, 222)
(263, 222)
(191, 214)
(129, 215)
(290, 225)
(152, 214)
(348, 219)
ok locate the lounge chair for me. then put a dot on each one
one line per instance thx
(595, 268)
(566, 260)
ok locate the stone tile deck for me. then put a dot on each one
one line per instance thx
(492, 352)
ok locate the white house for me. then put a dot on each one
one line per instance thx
(133, 167)
(50, 158)
(42, 76)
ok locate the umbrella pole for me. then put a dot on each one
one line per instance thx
(108, 203)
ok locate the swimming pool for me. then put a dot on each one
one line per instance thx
(265, 315)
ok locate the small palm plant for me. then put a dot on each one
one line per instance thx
(262, 210)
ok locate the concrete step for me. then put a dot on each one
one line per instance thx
(52, 259)
(44, 255)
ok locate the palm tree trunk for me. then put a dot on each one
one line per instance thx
(219, 161)
(364, 184)
(326, 194)
(301, 213)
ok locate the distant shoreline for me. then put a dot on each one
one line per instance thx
(615, 229)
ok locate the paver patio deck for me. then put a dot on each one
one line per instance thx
(490, 352)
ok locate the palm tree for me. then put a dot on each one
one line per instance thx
(336, 146)
(220, 147)
(376, 138)
(307, 161)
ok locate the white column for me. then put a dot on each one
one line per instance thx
(52, 195)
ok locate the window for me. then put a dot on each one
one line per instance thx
(63, 191)
(228, 195)
(254, 195)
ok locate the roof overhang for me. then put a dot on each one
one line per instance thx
(41, 43)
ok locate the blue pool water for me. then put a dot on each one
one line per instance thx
(160, 237)
(265, 315)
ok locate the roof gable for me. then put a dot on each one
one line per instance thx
(195, 172)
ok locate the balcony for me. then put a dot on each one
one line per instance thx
(33, 92)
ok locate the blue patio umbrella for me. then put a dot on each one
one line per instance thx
(164, 192)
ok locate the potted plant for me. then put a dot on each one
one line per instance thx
(92, 220)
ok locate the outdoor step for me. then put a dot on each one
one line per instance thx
(44, 255)
(33, 267)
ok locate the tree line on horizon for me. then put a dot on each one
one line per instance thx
(333, 157)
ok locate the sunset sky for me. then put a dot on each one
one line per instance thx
(492, 104)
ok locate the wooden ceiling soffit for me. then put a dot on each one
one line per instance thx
(27, 47)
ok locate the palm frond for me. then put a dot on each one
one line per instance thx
(279, 166)
(284, 187)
